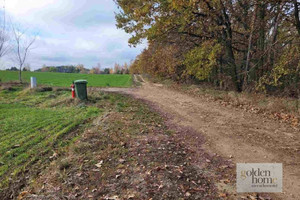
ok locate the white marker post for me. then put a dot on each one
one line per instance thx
(33, 82)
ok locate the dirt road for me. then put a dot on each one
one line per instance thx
(230, 132)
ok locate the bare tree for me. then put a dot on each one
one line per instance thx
(98, 68)
(98, 65)
(4, 39)
(23, 45)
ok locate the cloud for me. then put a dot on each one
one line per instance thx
(72, 32)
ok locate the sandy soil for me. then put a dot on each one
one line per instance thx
(232, 133)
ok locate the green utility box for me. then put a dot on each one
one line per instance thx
(80, 89)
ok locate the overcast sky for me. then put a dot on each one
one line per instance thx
(71, 32)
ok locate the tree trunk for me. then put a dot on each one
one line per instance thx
(227, 38)
(261, 40)
(250, 44)
(274, 39)
(296, 14)
(20, 74)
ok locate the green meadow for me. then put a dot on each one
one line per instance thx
(65, 79)
(33, 124)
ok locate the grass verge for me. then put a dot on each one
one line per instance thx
(32, 127)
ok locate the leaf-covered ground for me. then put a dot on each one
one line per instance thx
(129, 153)
(121, 148)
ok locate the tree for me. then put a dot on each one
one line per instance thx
(80, 69)
(117, 68)
(249, 40)
(27, 67)
(111, 71)
(4, 39)
(52, 69)
(106, 71)
(12, 69)
(96, 70)
(44, 68)
(98, 66)
(161, 21)
(23, 45)
(297, 15)
(125, 69)
(92, 71)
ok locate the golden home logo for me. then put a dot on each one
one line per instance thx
(259, 177)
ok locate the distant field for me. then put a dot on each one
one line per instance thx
(65, 79)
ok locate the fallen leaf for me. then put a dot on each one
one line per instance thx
(79, 174)
(223, 195)
(22, 194)
(99, 165)
(226, 181)
(118, 176)
(130, 196)
(187, 194)
(53, 156)
(113, 198)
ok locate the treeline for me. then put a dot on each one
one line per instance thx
(233, 44)
(80, 68)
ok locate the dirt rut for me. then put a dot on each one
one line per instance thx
(231, 132)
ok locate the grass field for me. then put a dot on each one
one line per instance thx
(40, 127)
(65, 79)
(32, 125)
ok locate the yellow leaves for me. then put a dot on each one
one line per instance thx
(202, 60)
(286, 69)
(288, 118)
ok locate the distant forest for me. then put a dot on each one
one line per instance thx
(242, 45)
(118, 69)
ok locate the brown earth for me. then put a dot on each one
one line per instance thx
(129, 152)
(234, 134)
(189, 151)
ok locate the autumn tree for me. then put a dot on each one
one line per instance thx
(106, 71)
(80, 68)
(241, 42)
(117, 69)
(96, 69)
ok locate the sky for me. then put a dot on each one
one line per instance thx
(70, 32)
